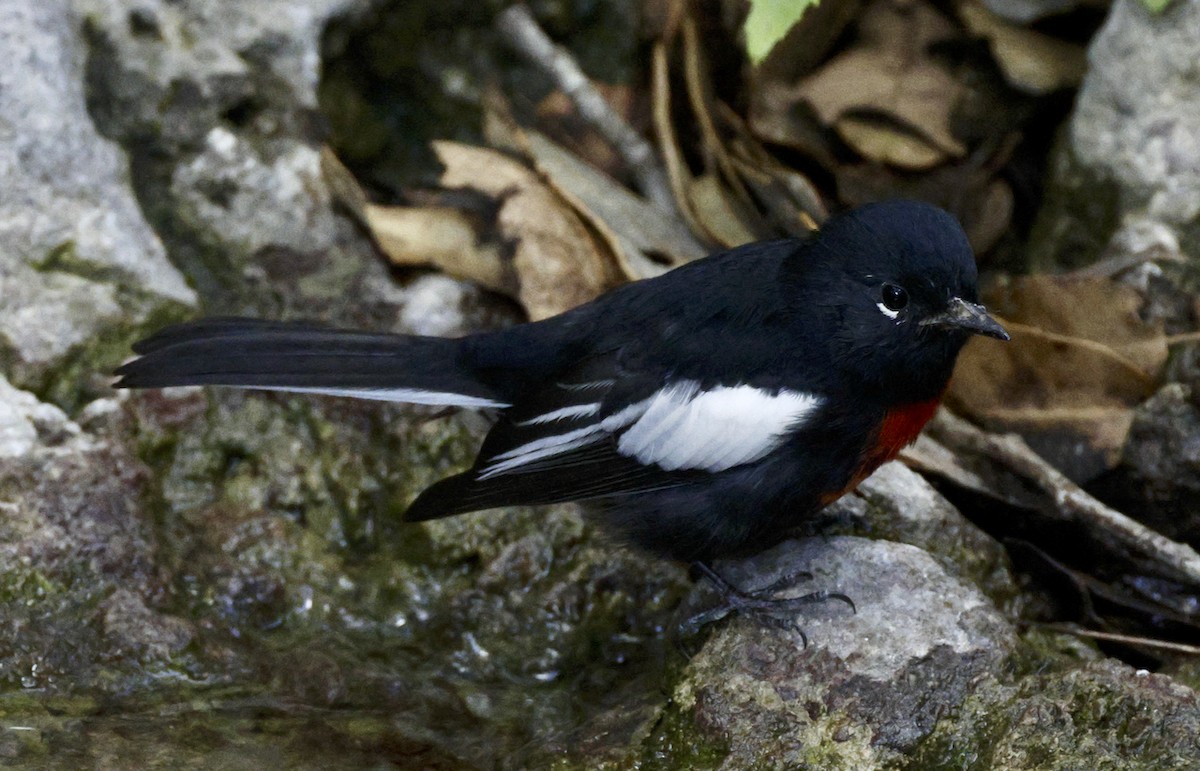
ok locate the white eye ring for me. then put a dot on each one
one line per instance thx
(886, 311)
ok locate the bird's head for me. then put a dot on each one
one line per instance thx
(897, 285)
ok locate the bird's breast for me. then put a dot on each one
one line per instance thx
(900, 427)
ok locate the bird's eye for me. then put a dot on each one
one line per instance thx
(894, 297)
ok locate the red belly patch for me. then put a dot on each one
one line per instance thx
(900, 428)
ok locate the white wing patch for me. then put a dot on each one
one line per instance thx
(565, 413)
(549, 446)
(686, 428)
(679, 427)
(407, 395)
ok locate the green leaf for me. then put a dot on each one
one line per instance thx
(770, 20)
(1156, 6)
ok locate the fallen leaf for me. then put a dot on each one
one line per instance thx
(557, 260)
(653, 240)
(716, 208)
(982, 202)
(442, 237)
(889, 83)
(1031, 61)
(642, 239)
(1079, 360)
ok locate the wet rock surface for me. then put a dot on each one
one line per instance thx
(1159, 476)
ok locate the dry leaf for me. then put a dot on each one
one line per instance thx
(716, 208)
(1032, 62)
(678, 173)
(557, 260)
(442, 237)
(642, 239)
(891, 75)
(1079, 361)
(982, 202)
(652, 240)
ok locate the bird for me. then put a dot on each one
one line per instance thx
(701, 414)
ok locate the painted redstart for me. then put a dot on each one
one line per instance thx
(703, 412)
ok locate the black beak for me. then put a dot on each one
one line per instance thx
(971, 317)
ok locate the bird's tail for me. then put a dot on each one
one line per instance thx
(278, 356)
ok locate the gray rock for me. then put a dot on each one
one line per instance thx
(1158, 479)
(76, 550)
(1025, 11)
(216, 103)
(1094, 714)
(870, 684)
(25, 422)
(79, 258)
(1131, 158)
(900, 505)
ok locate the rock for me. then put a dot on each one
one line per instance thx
(1025, 11)
(870, 685)
(132, 629)
(76, 550)
(216, 104)
(897, 504)
(1099, 714)
(80, 260)
(1158, 480)
(1128, 159)
(25, 422)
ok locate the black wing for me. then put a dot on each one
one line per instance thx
(559, 445)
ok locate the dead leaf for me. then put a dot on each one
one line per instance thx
(1032, 62)
(1079, 360)
(716, 208)
(441, 237)
(558, 262)
(982, 202)
(342, 185)
(678, 173)
(642, 239)
(890, 84)
(652, 240)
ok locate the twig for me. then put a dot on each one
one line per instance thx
(1182, 338)
(1145, 642)
(1154, 550)
(522, 32)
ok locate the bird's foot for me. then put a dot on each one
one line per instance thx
(762, 604)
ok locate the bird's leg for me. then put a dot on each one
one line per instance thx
(761, 604)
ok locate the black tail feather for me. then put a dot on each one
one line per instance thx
(294, 356)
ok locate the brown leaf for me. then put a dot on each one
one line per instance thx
(558, 261)
(717, 210)
(1032, 62)
(1080, 358)
(442, 237)
(886, 96)
(651, 240)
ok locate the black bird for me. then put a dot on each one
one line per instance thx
(704, 412)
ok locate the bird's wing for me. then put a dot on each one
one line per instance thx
(600, 432)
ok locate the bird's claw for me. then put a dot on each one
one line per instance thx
(762, 603)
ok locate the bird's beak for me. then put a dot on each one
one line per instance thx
(969, 316)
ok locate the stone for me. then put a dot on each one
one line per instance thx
(80, 259)
(871, 684)
(1129, 155)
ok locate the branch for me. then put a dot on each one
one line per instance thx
(1154, 550)
(522, 32)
